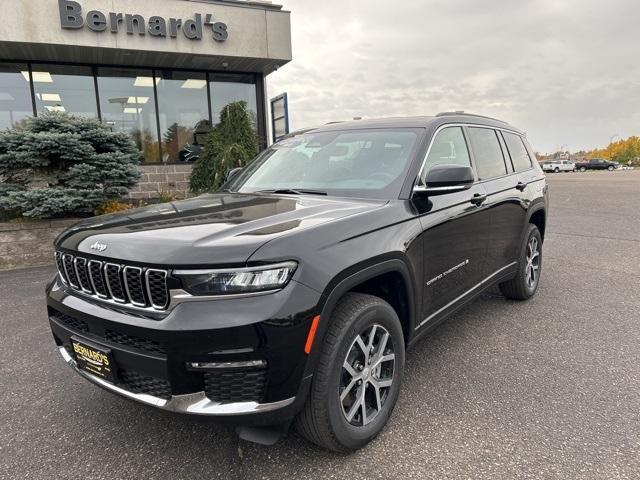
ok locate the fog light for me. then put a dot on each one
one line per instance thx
(226, 365)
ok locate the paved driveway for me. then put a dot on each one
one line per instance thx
(543, 389)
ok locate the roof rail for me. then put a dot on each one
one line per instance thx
(461, 112)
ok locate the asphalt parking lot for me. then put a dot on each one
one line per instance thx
(543, 389)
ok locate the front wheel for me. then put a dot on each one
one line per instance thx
(610, 168)
(556, 170)
(357, 381)
(524, 285)
(583, 169)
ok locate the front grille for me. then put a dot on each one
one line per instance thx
(125, 284)
(134, 342)
(137, 383)
(238, 386)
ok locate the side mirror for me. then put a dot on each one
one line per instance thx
(233, 172)
(443, 179)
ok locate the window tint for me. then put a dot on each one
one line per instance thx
(487, 151)
(518, 152)
(448, 147)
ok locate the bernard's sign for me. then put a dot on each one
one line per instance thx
(71, 17)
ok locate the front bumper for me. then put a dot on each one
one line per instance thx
(194, 403)
(154, 356)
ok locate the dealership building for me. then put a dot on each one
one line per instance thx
(159, 70)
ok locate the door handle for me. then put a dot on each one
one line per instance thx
(521, 186)
(478, 199)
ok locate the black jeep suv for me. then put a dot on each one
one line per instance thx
(294, 293)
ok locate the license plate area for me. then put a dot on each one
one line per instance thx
(94, 359)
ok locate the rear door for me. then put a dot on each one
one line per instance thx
(455, 231)
(504, 198)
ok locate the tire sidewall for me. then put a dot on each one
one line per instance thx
(350, 436)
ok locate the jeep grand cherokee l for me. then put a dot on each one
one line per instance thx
(294, 293)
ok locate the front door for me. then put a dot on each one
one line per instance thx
(455, 232)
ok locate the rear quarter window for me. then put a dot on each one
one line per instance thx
(518, 152)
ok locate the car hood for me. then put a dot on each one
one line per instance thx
(210, 229)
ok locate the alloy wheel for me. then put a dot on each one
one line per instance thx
(367, 375)
(532, 270)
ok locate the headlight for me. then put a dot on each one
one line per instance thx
(237, 281)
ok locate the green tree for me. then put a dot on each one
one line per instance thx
(59, 165)
(231, 144)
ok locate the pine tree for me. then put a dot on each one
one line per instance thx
(232, 143)
(60, 165)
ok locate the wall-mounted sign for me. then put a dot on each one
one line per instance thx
(71, 17)
(279, 116)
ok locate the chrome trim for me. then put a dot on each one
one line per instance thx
(180, 296)
(146, 281)
(193, 403)
(126, 285)
(459, 297)
(61, 272)
(66, 270)
(93, 284)
(448, 188)
(108, 281)
(226, 365)
(75, 266)
(259, 268)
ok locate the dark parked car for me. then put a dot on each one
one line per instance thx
(294, 294)
(596, 164)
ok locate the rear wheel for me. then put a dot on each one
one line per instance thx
(556, 170)
(583, 169)
(610, 168)
(524, 285)
(358, 378)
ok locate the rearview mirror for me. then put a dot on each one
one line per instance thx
(443, 179)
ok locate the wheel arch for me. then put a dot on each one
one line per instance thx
(538, 217)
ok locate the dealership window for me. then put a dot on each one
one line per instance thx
(127, 104)
(62, 88)
(228, 88)
(184, 114)
(488, 153)
(15, 94)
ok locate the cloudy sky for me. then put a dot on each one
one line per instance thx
(566, 72)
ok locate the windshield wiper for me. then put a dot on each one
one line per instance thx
(293, 191)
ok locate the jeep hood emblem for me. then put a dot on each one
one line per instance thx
(101, 247)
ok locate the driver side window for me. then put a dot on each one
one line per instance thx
(449, 147)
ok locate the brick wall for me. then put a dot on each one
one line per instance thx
(29, 244)
(172, 179)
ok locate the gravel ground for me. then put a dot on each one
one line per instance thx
(542, 389)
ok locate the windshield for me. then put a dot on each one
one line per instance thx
(358, 163)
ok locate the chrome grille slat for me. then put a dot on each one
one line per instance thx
(113, 282)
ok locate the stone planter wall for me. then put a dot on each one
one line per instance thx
(29, 244)
(173, 179)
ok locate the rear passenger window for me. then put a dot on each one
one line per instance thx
(487, 152)
(518, 152)
(449, 147)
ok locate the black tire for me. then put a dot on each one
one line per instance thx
(583, 169)
(556, 170)
(610, 168)
(322, 420)
(519, 288)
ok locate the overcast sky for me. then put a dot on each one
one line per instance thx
(566, 72)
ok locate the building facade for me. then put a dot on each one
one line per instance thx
(159, 70)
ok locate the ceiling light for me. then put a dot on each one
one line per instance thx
(6, 97)
(132, 110)
(145, 81)
(51, 97)
(194, 84)
(38, 77)
(55, 108)
(137, 100)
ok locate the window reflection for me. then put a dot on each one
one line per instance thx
(183, 113)
(127, 104)
(61, 88)
(228, 88)
(15, 95)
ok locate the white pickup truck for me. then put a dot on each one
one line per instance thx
(558, 166)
